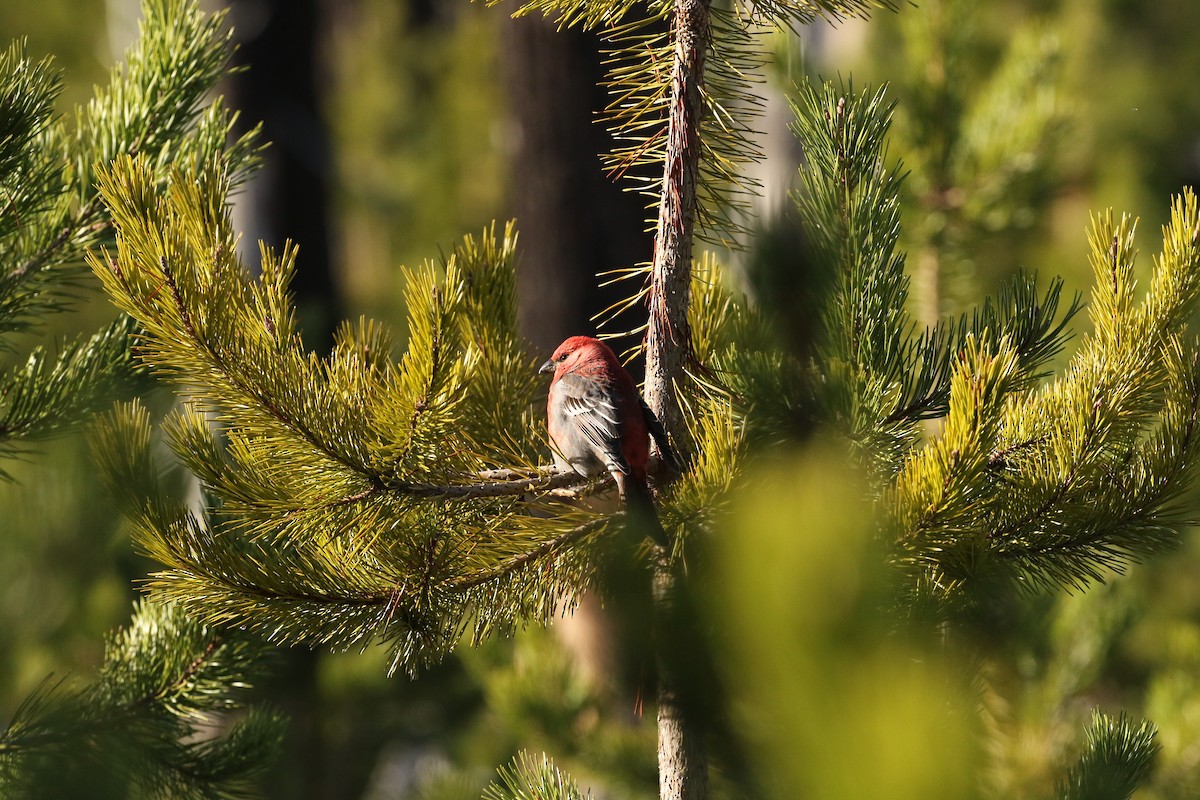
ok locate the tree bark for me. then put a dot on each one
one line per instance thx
(682, 749)
(682, 754)
(668, 338)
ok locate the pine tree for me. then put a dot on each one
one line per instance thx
(361, 497)
(157, 721)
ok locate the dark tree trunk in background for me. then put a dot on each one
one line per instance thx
(575, 222)
(279, 42)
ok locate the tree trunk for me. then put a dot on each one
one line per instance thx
(682, 750)
(682, 756)
(280, 41)
(668, 339)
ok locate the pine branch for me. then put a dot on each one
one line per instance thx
(51, 211)
(848, 201)
(46, 396)
(1136, 510)
(880, 378)
(341, 588)
(1087, 474)
(350, 498)
(30, 179)
(27, 173)
(528, 778)
(938, 492)
(147, 720)
(151, 105)
(1116, 388)
(1117, 759)
(1057, 483)
(1034, 327)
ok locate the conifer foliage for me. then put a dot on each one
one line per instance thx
(350, 497)
(144, 724)
(1045, 484)
(369, 495)
(157, 719)
(528, 778)
(152, 106)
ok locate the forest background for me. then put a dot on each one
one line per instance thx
(398, 127)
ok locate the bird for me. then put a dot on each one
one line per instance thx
(598, 422)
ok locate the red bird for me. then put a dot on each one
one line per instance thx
(599, 423)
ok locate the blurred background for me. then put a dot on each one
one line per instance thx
(397, 126)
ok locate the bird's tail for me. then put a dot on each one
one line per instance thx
(641, 511)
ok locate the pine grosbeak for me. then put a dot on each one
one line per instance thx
(599, 423)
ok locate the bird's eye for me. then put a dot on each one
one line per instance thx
(563, 357)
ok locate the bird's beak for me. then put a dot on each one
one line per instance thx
(547, 367)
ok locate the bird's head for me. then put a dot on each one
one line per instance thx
(576, 352)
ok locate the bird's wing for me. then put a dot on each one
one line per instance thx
(594, 413)
(660, 436)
